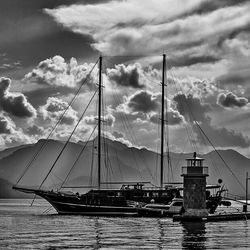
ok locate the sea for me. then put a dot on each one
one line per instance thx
(39, 227)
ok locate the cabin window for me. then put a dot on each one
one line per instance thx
(165, 194)
(177, 204)
(154, 194)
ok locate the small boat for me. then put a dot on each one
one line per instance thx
(161, 210)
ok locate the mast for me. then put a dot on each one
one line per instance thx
(162, 119)
(99, 122)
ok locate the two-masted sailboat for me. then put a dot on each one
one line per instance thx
(113, 202)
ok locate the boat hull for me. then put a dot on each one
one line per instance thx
(71, 204)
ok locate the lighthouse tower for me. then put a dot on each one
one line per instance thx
(194, 190)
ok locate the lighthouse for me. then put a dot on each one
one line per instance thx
(194, 188)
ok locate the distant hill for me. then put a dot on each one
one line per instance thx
(123, 164)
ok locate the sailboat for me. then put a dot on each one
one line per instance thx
(123, 201)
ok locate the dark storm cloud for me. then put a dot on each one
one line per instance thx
(28, 35)
(188, 60)
(14, 103)
(230, 100)
(143, 101)
(235, 77)
(194, 110)
(209, 6)
(126, 76)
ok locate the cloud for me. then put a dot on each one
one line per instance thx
(237, 52)
(14, 103)
(191, 107)
(143, 101)
(53, 110)
(144, 106)
(56, 72)
(230, 100)
(126, 76)
(187, 59)
(194, 110)
(127, 27)
(173, 117)
(35, 130)
(107, 120)
(209, 6)
(117, 135)
(7, 126)
(10, 135)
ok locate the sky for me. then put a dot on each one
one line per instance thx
(48, 47)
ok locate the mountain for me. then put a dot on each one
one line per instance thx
(123, 164)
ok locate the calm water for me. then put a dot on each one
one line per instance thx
(25, 227)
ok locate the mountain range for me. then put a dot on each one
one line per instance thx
(28, 165)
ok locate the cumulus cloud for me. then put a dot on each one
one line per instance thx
(14, 103)
(144, 106)
(117, 135)
(107, 120)
(143, 101)
(35, 130)
(191, 107)
(194, 110)
(54, 108)
(230, 100)
(172, 117)
(126, 76)
(7, 126)
(10, 135)
(57, 72)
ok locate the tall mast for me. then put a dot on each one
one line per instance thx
(99, 122)
(162, 118)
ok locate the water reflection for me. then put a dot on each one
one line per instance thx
(97, 227)
(194, 235)
(161, 235)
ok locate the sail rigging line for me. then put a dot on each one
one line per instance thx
(92, 163)
(57, 123)
(210, 142)
(127, 127)
(191, 134)
(65, 145)
(169, 163)
(78, 157)
(119, 166)
(157, 148)
(241, 185)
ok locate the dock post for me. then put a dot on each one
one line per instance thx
(194, 190)
(245, 206)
